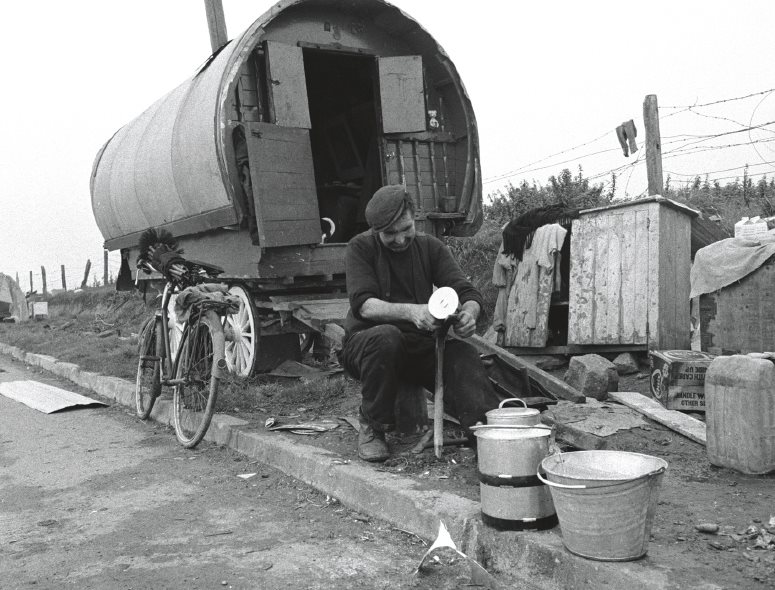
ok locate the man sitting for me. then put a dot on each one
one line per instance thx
(391, 272)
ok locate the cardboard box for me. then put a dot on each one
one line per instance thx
(678, 378)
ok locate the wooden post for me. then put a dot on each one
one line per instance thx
(43, 279)
(216, 24)
(30, 281)
(64, 280)
(105, 268)
(653, 145)
(86, 274)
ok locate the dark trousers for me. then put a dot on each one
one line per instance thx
(382, 356)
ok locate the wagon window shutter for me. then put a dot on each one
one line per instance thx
(402, 93)
(287, 85)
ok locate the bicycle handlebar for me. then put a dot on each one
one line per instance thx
(193, 272)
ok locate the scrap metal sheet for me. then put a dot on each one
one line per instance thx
(43, 397)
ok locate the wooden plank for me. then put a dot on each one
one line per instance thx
(641, 268)
(582, 287)
(269, 147)
(402, 93)
(613, 328)
(677, 421)
(652, 279)
(558, 388)
(287, 85)
(682, 332)
(218, 218)
(600, 280)
(627, 295)
(664, 286)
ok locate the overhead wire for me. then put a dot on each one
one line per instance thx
(707, 173)
(686, 142)
(753, 114)
(707, 104)
(521, 169)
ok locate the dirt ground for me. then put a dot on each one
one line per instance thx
(693, 492)
(741, 554)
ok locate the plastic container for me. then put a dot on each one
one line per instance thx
(740, 413)
(605, 501)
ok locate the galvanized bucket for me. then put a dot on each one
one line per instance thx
(605, 501)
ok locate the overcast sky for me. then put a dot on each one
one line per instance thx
(544, 77)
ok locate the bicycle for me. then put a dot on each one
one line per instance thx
(199, 363)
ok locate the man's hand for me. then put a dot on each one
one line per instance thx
(421, 317)
(465, 325)
(466, 319)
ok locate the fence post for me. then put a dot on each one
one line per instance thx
(105, 268)
(30, 281)
(64, 279)
(653, 145)
(43, 278)
(86, 274)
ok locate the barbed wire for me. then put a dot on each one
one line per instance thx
(707, 104)
(707, 173)
(684, 143)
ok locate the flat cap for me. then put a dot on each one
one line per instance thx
(386, 206)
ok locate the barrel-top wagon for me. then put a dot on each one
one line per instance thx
(263, 161)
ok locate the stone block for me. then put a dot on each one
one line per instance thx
(592, 375)
(626, 364)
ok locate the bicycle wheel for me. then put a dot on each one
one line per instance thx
(198, 365)
(148, 380)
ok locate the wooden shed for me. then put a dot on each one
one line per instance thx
(299, 118)
(629, 275)
(620, 282)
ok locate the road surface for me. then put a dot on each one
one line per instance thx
(94, 498)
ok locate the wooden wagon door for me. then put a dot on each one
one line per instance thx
(284, 191)
(281, 169)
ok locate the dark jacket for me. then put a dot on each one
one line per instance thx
(368, 275)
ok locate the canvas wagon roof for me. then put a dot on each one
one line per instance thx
(170, 164)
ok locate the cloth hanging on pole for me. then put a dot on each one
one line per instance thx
(626, 134)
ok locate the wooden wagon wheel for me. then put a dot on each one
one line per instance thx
(242, 334)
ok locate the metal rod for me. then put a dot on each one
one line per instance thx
(446, 171)
(417, 176)
(401, 169)
(432, 153)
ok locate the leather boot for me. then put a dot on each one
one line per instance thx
(371, 444)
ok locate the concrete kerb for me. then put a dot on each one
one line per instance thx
(536, 558)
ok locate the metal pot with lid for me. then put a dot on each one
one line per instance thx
(505, 416)
(510, 447)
